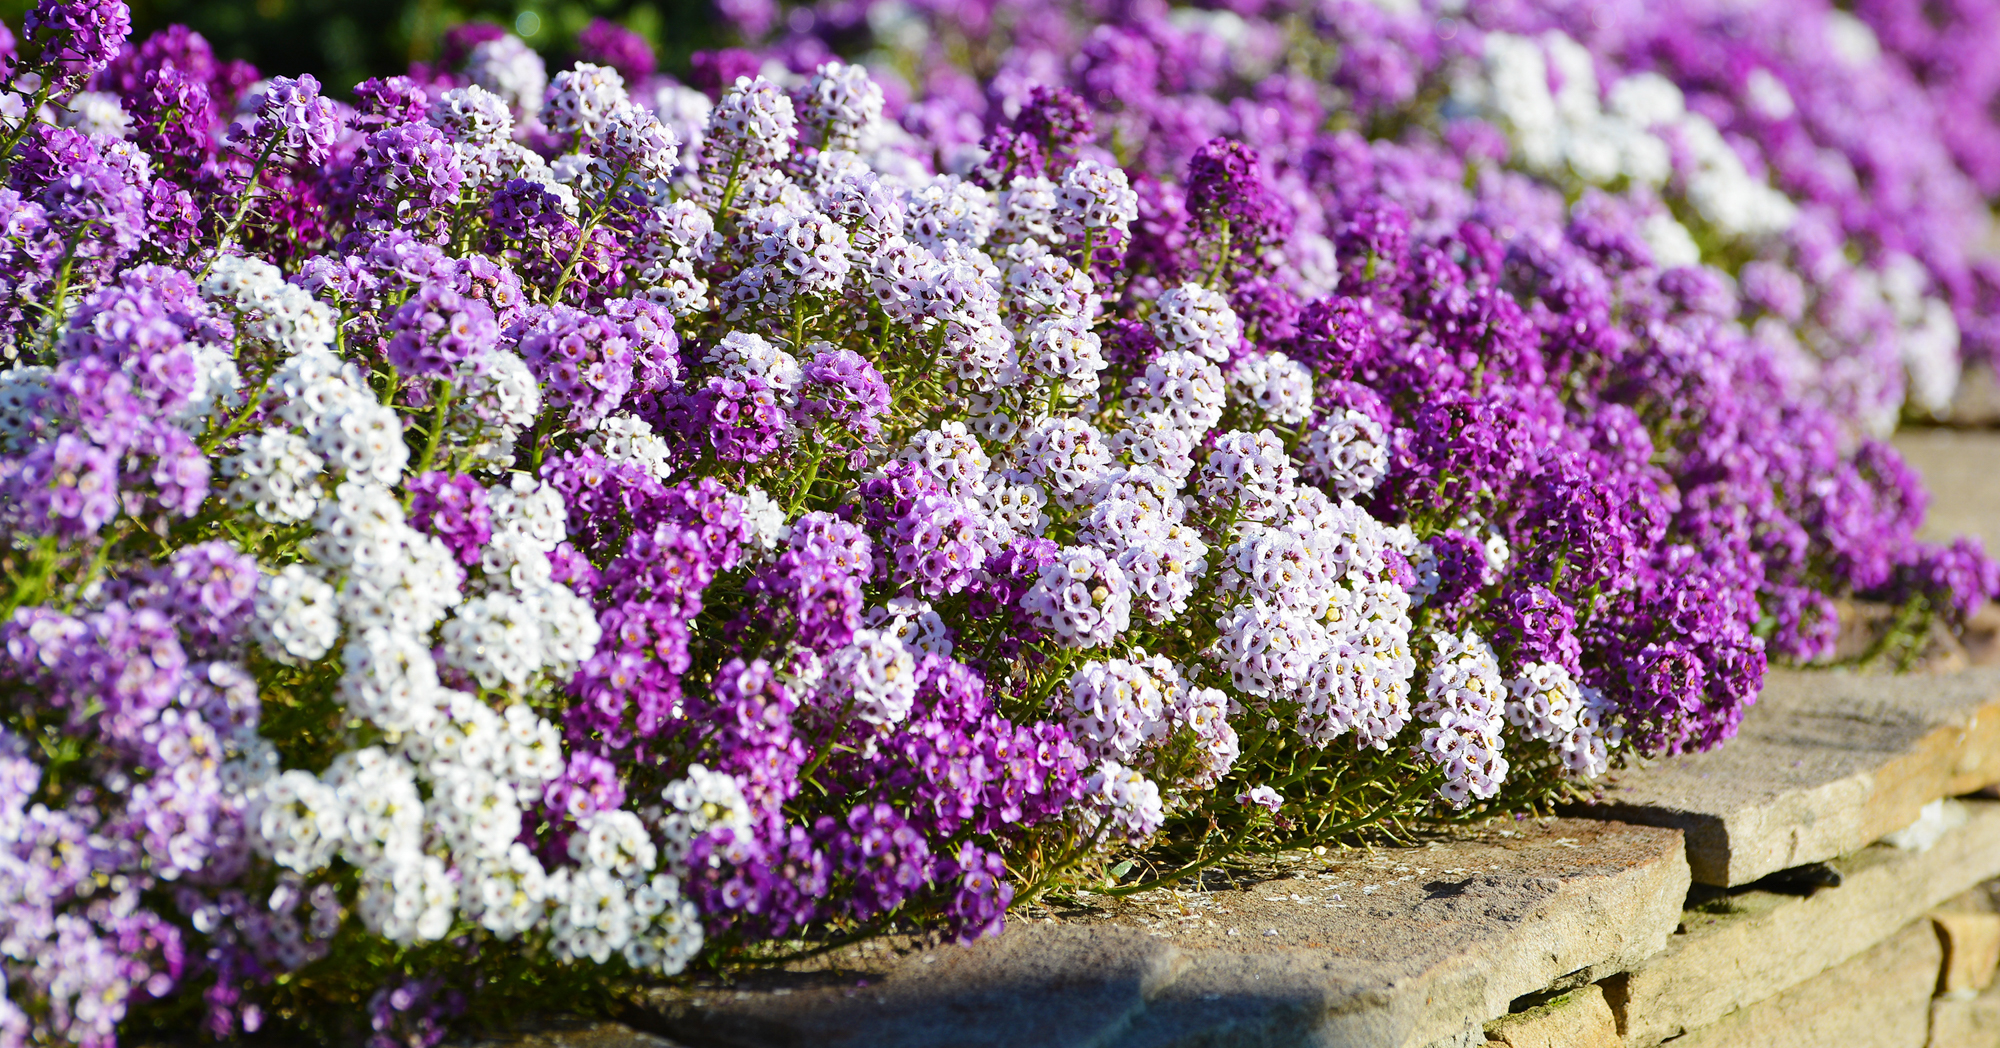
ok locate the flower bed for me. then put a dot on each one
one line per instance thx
(512, 536)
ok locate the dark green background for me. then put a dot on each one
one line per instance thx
(345, 41)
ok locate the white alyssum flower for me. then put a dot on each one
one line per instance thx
(269, 310)
(1273, 385)
(1250, 472)
(583, 99)
(506, 893)
(1198, 320)
(1096, 203)
(843, 103)
(628, 440)
(697, 803)
(296, 820)
(1083, 597)
(1120, 804)
(949, 210)
(751, 127)
(496, 638)
(1347, 452)
(512, 70)
(275, 475)
(1115, 708)
(1066, 455)
(21, 387)
(389, 678)
(1155, 440)
(1182, 385)
(768, 527)
(743, 353)
(877, 675)
(382, 814)
(1464, 701)
(296, 616)
(914, 622)
(408, 898)
(97, 114)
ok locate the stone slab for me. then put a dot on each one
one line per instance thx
(1971, 1021)
(1827, 762)
(1971, 950)
(1737, 949)
(1958, 469)
(1063, 986)
(1378, 948)
(1881, 999)
(1578, 1019)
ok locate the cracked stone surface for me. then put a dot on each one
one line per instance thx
(1827, 763)
(1382, 948)
(1733, 950)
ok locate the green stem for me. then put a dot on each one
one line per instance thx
(1069, 860)
(583, 238)
(242, 418)
(1059, 663)
(802, 488)
(730, 188)
(1228, 851)
(437, 426)
(20, 130)
(534, 445)
(1221, 253)
(32, 586)
(55, 305)
(228, 232)
(98, 561)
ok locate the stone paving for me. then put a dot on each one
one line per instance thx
(1390, 947)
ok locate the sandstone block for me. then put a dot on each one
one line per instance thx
(1409, 946)
(1971, 944)
(1880, 999)
(1578, 1019)
(1735, 950)
(1966, 1022)
(1826, 763)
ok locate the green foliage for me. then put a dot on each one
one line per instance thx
(346, 41)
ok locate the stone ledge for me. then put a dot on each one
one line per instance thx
(1880, 999)
(1827, 763)
(1736, 949)
(1422, 946)
(1389, 948)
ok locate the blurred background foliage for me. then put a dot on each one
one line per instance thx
(345, 41)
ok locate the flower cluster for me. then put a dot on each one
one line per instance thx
(529, 529)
